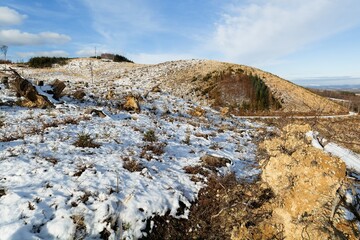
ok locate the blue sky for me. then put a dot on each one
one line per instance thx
(310, 42)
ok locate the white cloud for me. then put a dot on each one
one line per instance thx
(117, 20)
(18, 38)
(9, 16)
(266, 30)
(90, 51)
(57, 53)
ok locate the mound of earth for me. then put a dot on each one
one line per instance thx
(246, 90)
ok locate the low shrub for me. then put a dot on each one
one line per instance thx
(132, 165)
(85, 140)
(149, 136)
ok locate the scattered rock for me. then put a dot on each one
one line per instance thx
(156, 89)
(5, 81)
(131, 104)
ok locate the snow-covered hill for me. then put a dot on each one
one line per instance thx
(52, 188)
(89, 169)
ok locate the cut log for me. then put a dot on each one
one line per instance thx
(79, 94)
(57, 86)
(27, 90)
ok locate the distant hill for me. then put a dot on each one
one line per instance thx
(352, 87)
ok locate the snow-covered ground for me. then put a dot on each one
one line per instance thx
(351, 159)
(51, 188)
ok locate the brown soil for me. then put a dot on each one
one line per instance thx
(305, 181)
(293, 199)
(223, 208)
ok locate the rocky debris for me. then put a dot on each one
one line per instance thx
(305, 181)
(26, 89)
(131, 104)
(156, 89)
(79, 94)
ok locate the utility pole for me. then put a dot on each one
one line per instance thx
(95, 53)
(4, 49)
(91, 72)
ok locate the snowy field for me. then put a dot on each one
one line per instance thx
(52, 189)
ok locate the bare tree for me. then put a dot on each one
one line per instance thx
(4, 49)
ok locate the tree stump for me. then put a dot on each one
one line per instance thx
(26, 89)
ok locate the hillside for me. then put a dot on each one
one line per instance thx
(130, 151)
(213, 82)
(242, 89)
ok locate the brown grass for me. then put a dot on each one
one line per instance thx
(84, 140)
(132, 165)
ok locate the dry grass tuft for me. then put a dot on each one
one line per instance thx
(84, 140)
(132, 165)
(149, 136)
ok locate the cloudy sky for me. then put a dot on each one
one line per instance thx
(310, 42)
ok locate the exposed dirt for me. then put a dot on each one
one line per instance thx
(293, 199)
(305, 181)
(223, 208)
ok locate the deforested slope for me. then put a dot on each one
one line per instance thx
(246, 90)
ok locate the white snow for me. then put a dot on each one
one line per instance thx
(351, 159)
(57, 190)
